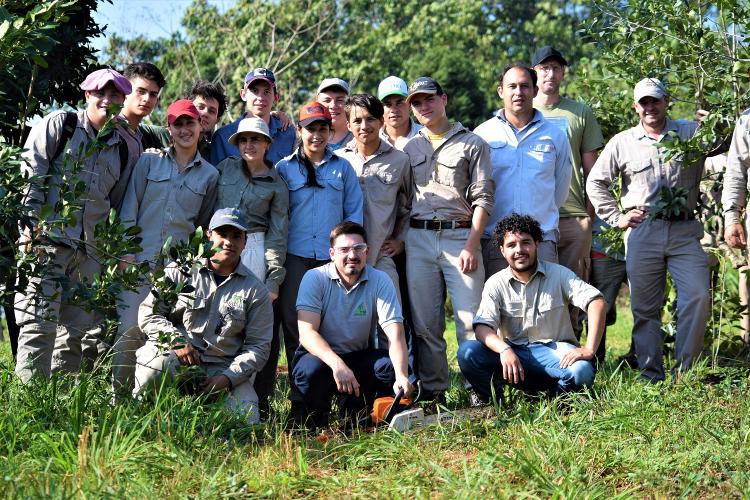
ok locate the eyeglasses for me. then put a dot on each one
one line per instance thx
(550, 69)
(358, 249)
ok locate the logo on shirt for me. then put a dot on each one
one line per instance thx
(235, 301)
(360, 311)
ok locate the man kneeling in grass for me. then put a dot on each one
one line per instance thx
(222, 327)
(523, 332)
(339, 307)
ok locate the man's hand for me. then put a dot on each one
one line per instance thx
(571, 357)
(215, 384)
(402, 383)
(188, 355)
(734, 235)
(391, 247)
(346, 382)
(284, 120)
(632, 218)
(467, 261)
(512, 368)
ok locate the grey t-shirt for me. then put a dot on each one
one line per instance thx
(349, 318)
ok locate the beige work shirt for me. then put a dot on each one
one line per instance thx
(387, 185)
(164, 202)
(452, 179)
(640, 160)
(97, 167)
(264, 200)
(230, 323)
(536, 311)
(736, 185)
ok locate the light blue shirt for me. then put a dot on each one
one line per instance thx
(314, 211)
(532, 170)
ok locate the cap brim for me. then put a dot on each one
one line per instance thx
(308, 121)
(334, 87)
(421, 92)
(392, 92)
(248, 82)
(198, 118)
(235, 137)
(655, 95)
(231, 224)
(553, 57)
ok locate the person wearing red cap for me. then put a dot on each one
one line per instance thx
(171, 193)
(58, 153)
(323, 191)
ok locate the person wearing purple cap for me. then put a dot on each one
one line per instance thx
(170, 194)
(219, 334)
(59, 152)
(260, 93)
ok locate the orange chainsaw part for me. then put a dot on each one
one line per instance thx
(381, 406)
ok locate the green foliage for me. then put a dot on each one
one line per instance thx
(44, 54)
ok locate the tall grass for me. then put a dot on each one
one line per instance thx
(621, 439)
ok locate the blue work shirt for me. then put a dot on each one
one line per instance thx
(532, 170)
(314, 211)
(283, 142)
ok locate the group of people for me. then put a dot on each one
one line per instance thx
(340, 236)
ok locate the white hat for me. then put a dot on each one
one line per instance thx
(392, 85)
(649, 87)
(333, 82)
(253, 124)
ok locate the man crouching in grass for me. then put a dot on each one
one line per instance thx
(339, 307)
(523, 332)
(224, 324)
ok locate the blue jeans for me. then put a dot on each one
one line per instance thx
(541, 367)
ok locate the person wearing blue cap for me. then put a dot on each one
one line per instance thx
(55, 149)
(219, 333)
(260, 94)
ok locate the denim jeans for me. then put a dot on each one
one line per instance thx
(541, 366)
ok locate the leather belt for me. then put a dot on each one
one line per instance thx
(439, 225)
(675, 218)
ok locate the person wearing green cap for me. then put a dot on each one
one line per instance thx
(398, 127)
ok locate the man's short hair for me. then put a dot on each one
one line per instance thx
(147, 71)
(348, 227)
(520, 65)
(204, 88)
(371, 103)
(517, 223)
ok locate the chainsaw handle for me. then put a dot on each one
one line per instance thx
(394, 406)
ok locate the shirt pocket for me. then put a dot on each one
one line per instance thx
(335, 192)
(157, 185)
(190, 197)
(383, 186)
(451, 172)
(497, 153)
(232, 322)
(642, 172)
(542, 156)
(420, 169)
(196, 315)
(107, 174)
(548, 305)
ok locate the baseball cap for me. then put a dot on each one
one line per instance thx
(392, 85)
(313, 111)
(228, 217)
(182, 107)
(260, 74)
(333, 82)
(547, 52)
(254, 124)
(649, 87)
(423, 85)
(101, 77)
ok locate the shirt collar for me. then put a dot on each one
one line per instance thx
(541, 268)
(536, 117)
(240, 270)
(333, 274)
(639, 132)
(457, 128)
(383, 147)
(196, 161)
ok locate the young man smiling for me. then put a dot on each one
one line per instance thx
(332, 93)
(454, 196)
(70, 250)
(523, 329)
(398, 127)
(260, 94)
(222, 330)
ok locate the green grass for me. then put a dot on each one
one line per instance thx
(623, 438)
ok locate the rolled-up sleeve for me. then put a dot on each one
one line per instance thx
(733, 197)
(256, 348)
(603, 173)
(481, 192)
(489, 308)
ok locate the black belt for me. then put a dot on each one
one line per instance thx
(439, 225)
(675, 218)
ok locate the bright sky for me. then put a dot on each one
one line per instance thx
(150, 18)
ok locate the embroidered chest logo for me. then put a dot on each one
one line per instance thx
(234, 303)
(360, 311)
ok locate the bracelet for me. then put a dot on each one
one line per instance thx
(503, 349)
